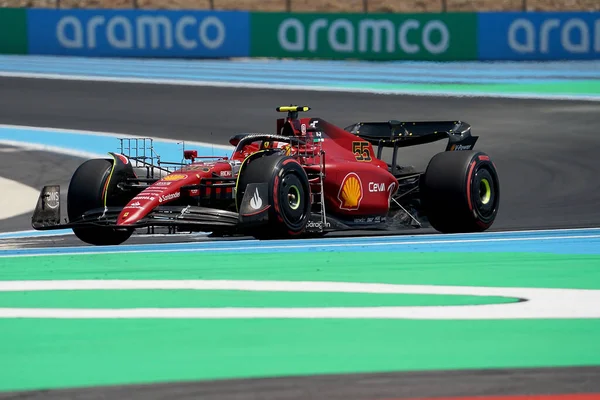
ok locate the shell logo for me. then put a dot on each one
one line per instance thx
(351, 192)
(174, 177)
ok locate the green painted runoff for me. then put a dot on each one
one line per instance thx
(572, 87)
(47, 353)
(229, 298)
(41, 354)
(475, 269)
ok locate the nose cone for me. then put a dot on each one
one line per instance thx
(130, 216)
(160, 193)
(168, 190)
(137, 208)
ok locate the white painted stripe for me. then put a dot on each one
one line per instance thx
(16, 198)
(541, 303)
(438, 93)
(19, 149)
(53, 149)
(109, 134)
(312, 245)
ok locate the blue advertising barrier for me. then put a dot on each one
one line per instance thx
(539, 35)
(137, 33)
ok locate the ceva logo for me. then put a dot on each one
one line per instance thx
(576, 36)
(141, 32)
(344, 36)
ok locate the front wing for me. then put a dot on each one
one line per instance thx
(47, 215)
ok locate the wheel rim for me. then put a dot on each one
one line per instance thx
(293, 197)
(485, 192)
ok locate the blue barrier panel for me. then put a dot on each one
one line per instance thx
(137, 33)
(539, 36)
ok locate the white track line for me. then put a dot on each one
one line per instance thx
(53, 149)
(540, 304)
(107, 134)
(16, 198)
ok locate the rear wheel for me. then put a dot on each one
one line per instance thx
(86, 192)
(289, 194)
(460, 192)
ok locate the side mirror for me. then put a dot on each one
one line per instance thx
(190, 154)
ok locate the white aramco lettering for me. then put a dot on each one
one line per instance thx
(377, 27)
(155, 32)
(286, 25)
(411, 24)
(574, 36)
(76, 41)
(183, 41)
(156, 26)
(111, 33)
(346, 26)
(597, 39)
(371, 35)
(93, 23)
(431, 27)
(529, 30)
(547, 26)
(203, 32)
(565, 36)
(313, 33)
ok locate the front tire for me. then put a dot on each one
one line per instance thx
(289, 194)
(86, 192)
(460, 192)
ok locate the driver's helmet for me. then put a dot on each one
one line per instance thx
(284, 146)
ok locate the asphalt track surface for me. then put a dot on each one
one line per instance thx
(380, 386)
(545, 152)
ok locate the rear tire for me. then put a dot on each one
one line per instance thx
(460, 192)
(288, 185)
(85, 193)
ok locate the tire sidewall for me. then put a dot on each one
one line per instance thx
(449, 192)
(86, 191)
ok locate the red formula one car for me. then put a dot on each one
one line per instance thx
(309, 178)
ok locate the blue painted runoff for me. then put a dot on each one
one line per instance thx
(100, 145)
(317, 72)
(578, 241)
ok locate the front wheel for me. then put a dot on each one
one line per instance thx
(86, 192)
(460, 192)
(289, 194)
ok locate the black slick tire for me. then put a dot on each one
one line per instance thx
(289, 194)
(460, 192)
(86, 191)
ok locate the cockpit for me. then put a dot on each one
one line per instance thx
(290, 126)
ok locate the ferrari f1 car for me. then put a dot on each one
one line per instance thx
(307, 179)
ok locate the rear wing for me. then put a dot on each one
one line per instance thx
(403, 134)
